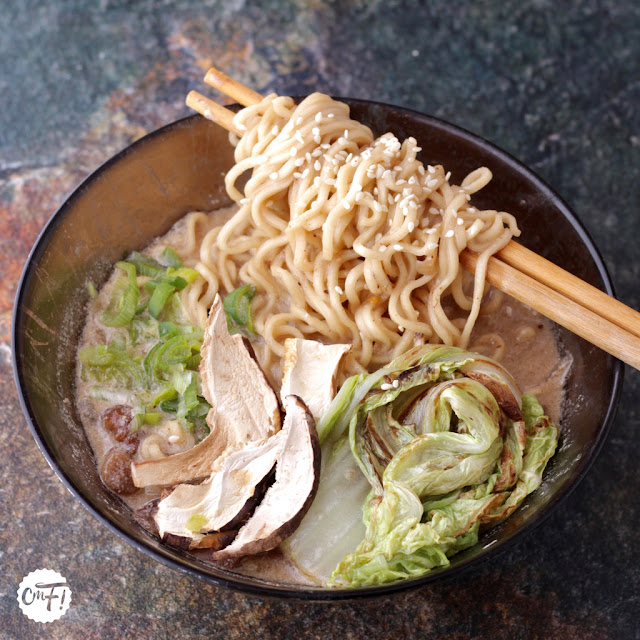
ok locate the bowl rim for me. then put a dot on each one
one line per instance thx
(256, 587)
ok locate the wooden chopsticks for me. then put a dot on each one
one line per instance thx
(519, 272)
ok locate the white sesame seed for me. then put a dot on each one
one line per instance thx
(383, 248)
(244, 200)
(346, 133)
(400, 328)
(447, 176)
(385, 386)
(297, 175)
(173, 439)
(331, 115)
(396, 198)
(397, 247)
(342, 140)
(411, 226)
(274, 175)
(434, 210)
(431, 169)
(375, 191)
(412, 180)
(449, 234)
(318, 116)
(241, 127)
(339, 290)
(317, 165)
(305, 173)
(359, 196)
(317, 139)
(325, 146)
(421, 170)
(299, 162)
(377, 206)
(390, 199)
(315, 131)
(459, 222)
(432, 245)
(432, 183)
(293, 152)
(401, 181)
(396, 383)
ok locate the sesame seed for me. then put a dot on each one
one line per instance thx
(449, 234)
(315, 131)
(297, 175)
(385, 386)
(401, 181)
(331, 115)
(421, 170)
(400, 328)
(244, 200)
(342, 141)
(305, 173)
(346, 133)
(359, 196)
(293, 152)
(174, 438)
(307, 157)
(316, 152)
(325, 146)
(390, 199)
(317, 139)
(431, 246)
(377, 206)
(447, 176)
(383, 248)
(298, 137)
(459, 222)
(318, 116)
(412, 180)
(299, 162)
(397, 247)
(317, 165)
(338, 290)
(396, 383)
(396, 198)
(274, 175)
(411, 226)
(434, 210)
(431, 169)
(241, 127)
(432, 183)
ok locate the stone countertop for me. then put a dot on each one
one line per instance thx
(555, 84)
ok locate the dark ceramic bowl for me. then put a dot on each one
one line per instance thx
(141, 192)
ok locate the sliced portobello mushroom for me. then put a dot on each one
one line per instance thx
(310, 370)
(244, 409)
(288, 499)
(190, 514)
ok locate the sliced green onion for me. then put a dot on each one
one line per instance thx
(124, 306)
(237, 307)
(159, 298)
(171, 258)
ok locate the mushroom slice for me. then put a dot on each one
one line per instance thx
(187, 516)
(244, 408)
(290, 496)
(309, 371)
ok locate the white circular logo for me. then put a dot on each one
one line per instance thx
(44, 595)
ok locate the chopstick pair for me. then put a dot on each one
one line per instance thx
(519, 272)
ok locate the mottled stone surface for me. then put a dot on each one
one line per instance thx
(556, 84)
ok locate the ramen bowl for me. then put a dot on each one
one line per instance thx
(141, 192)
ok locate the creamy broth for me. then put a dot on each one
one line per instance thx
(519, 338)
